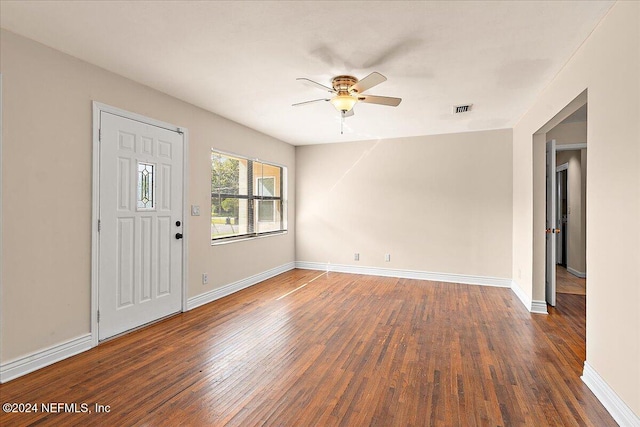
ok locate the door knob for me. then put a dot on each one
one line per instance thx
(178, 235)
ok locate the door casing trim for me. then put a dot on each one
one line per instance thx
(95, 203)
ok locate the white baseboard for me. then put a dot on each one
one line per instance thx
(406, 274)
(229, 289)
(580, 274)
(24, 365)
(619, 410)
(539, 307)
(524, 298)
(534, 306)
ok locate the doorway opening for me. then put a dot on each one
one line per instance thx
(566, 206)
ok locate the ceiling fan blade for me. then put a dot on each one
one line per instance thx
(382, 100)
(346, 114)
(368, 82)
(315, 84)
(309, 102)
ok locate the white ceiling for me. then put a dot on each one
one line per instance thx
(240, 59)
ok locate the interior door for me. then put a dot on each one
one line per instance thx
(140, 246)
(551, 229)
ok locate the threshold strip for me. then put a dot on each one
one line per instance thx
(300, 287)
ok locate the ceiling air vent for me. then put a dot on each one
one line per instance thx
(457, 109)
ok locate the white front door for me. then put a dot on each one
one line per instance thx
(140, 213)
(551, 223)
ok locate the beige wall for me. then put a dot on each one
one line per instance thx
(435, 203)
(608, 66)
(46, 190)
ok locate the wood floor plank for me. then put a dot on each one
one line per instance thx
(567, 283)
(312, 349)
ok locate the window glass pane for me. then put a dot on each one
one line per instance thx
(234, 224)
(228, 175)
(228, 180)
(266, 210)
(146, 186)
(268, 187)
(269, 216)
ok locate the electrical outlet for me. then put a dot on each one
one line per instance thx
(205, 278)
(356, 256)
(387, 257)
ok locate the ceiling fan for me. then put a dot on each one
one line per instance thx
(348, 90)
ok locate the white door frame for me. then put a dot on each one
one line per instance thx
(95, 210)
(550, 223)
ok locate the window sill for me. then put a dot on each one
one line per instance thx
(245, 238)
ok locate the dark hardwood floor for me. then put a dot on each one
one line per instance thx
(344, 350)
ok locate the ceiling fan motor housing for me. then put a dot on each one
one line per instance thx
(343, 83)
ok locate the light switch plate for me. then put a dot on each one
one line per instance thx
(195, 210)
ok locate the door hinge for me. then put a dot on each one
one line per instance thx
(99, 135)
(99, 225)
(98, 316)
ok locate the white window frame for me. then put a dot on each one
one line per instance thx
(252, 234)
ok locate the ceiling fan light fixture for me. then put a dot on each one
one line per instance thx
(344, 102)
